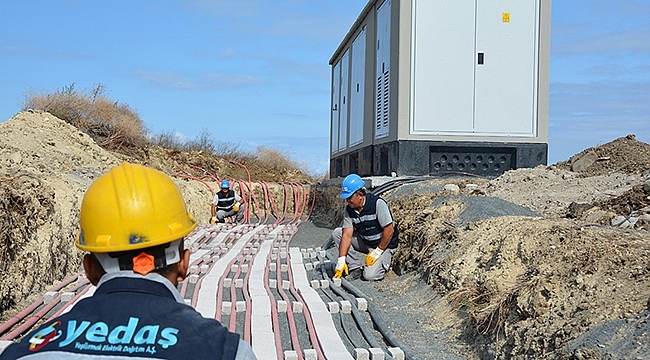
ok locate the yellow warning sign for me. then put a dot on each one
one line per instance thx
(505, 17)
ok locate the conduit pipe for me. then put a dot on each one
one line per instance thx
(31, 308)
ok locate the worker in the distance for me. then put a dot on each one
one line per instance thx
(227, 203)
(133, 222)
(369, 237)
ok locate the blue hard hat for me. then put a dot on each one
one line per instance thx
(225, 184)
(350, 185)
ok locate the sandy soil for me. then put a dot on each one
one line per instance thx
(493, 283)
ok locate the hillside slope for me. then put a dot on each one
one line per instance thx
(550, 279)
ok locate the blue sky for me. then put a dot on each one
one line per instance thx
(256, 73)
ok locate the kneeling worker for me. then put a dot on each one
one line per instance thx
(369, 237)
(226, 203)
(133, 222)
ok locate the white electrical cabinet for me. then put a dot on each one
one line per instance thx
(439, 86)
(474, 67)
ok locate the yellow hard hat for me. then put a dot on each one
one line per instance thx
(132, 207)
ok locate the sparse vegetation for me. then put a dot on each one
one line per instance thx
(112, 125)
(118, 127)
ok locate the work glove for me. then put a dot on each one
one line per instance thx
(373, 256)
(236, 206)
(213, 220)
(341, 267)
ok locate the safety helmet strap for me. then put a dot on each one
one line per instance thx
(163, 257)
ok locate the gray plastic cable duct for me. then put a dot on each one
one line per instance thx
(376, 319)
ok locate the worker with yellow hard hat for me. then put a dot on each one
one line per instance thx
(133, 223)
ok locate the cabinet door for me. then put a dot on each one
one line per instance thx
(344, 102)
(334, 114)
(357, 88)
(506, 68)
(382, 83)
(443, 66)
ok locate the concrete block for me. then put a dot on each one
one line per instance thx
(346, 307)
(362, 304)
(284, 267)
(239, 283)
(240, 306)
(282, 306)
(290, 355)
(49, 296)
(296, 306)
(316, 263)
(193, 279)
(244, 268)
(227, 282)
(361, 354)
(305, 254)
(324, 284)
(204, 269)
(286, 284)
(226, 308)
(310, 354)
(272, 266)
(309, 266)
(188, 302)
(315, 284)
(234, 268)
(67, 296)
(322, 253)
(194, 268)
(283, 254)
(333, 307)
(377, 354)
(337, 282)
(396, 353)
(273, 284)
(206, 258)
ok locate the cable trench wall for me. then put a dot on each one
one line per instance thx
(279, 298)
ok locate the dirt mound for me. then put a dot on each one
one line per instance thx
(537, 263)
(623, 155)
(522, 285)
(45, 167)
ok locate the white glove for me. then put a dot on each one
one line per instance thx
(341, 267)
(373, 256)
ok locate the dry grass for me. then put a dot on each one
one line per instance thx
(112, 125)
(118, 127)
(489, 309)
(275, 160)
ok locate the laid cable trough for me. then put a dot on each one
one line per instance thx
(281, 299)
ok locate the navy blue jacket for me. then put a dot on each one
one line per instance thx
(226, 201)
(129, 317)
(367, 226)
